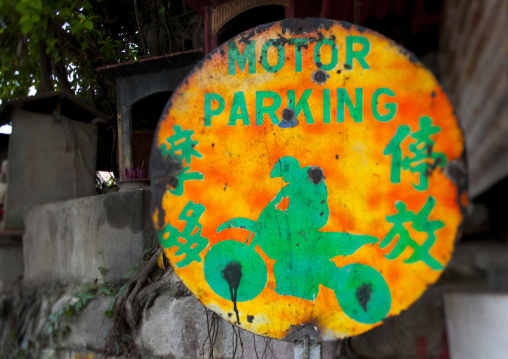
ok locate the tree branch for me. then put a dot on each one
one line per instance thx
(45, 84)
(166, 27)
(138, 22)
(61, 75)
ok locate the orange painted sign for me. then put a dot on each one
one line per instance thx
(308, 178)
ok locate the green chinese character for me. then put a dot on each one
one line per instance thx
(394, 150)
(182, 146)
(423, 161)
(183, 176)
(190, 241)
(421, 223)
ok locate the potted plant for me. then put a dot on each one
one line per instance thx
(135, 178)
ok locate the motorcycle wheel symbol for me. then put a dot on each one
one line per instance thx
(236, 272)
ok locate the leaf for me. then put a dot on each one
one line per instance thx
(65, 12)
(37, 4)
(50, 44)
(76, 28)
(109, 310)
(120, 291)
(105, 291)
(21, 6)
(87, 296)
(55, 315)
(160, 261)
(86, 5)
(26, 25)
(88, 25)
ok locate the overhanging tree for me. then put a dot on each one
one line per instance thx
(57, 44)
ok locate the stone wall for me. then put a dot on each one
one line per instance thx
(11, 265)
(81, 255)
(89, 239)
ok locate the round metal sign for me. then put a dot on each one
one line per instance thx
(308, 178)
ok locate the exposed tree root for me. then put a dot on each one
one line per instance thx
(212, 325)
(139, 293)
(130, 300)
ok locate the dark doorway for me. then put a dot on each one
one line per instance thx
(145, 116)
(249, 19)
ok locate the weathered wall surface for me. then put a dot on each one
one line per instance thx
(90, 239)
(61, 310)
(477, 325)
(51, 158)
(11, 266)
(473, 53)
(176, 325)
(181, 327)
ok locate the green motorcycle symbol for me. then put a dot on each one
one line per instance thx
(302, 253)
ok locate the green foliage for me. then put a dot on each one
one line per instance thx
(114, 293)
(132, 270)
(57, 326)
(111, 182)
(123, 342)
(103, 271)
(148, 253)
(16, 349)
(57, 44)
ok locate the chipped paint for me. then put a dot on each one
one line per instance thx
(305, 182)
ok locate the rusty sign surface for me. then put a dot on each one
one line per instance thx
(308, 178)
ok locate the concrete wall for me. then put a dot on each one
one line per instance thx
(67, 242)
(477, 325)
(71, 241)
(11, 266)
(50, 159)
(176, 325)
